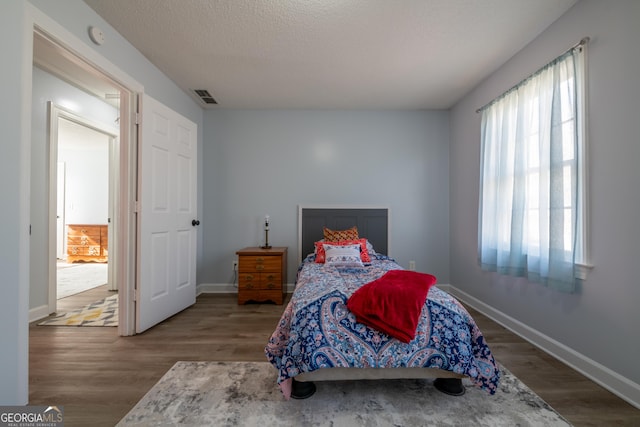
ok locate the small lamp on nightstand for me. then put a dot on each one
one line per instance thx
(266, 233)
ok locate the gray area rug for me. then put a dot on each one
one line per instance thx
(246, 394)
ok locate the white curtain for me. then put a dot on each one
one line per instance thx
(529, 198)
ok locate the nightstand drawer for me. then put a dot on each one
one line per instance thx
(271, 281)
(248, 281)
(260, 263)
(267, 281)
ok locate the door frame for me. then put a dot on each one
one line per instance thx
(57, 112)
(61, 182)
(125, 234)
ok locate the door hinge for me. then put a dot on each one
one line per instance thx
(136, 206)
(136, 118)
(135, 294)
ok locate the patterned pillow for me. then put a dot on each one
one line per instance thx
(338, 235)
(343, 255)
(364, 249)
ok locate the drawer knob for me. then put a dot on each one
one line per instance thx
(259, 267)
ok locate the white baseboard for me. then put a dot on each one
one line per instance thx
(38, 313)
(612, 381)
(226, 288)
(216, 288)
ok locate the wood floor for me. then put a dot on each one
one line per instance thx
(98, 376)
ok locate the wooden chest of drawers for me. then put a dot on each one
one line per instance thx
(87, 242)
(262, 274)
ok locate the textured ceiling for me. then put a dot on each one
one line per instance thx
(344, 54)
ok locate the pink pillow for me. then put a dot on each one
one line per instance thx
(364, 253)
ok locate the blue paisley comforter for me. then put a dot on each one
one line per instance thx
(317, 330)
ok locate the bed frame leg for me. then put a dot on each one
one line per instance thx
(302, 390)
(450, 386)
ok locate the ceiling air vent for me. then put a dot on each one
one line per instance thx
(205, 96)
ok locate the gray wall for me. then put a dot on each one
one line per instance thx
(14, 215)
(269, 162)
(601, 320)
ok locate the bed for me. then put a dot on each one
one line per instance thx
(319, 339)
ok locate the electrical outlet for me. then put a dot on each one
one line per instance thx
(235, 264)
(412, 265)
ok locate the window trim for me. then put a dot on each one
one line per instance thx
(583, 263)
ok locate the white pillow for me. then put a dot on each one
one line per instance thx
(370, 249)
(343, 255)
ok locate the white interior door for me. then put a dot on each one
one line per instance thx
(166, 214)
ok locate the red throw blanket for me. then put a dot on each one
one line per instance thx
(392, 303)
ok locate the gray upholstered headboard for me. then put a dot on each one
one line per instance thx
(372, 223)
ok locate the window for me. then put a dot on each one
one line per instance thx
(532, 218)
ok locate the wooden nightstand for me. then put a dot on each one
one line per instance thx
(262, 274)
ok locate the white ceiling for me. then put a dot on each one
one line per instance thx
(338, 54)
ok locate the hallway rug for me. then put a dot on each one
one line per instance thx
(100, 313)
(246, 394)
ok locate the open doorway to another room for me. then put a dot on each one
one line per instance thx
(83, 208)
(78, 111)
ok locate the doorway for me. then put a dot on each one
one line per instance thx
(67, 65)
(84, 205)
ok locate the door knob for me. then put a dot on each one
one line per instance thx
(195, 222)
